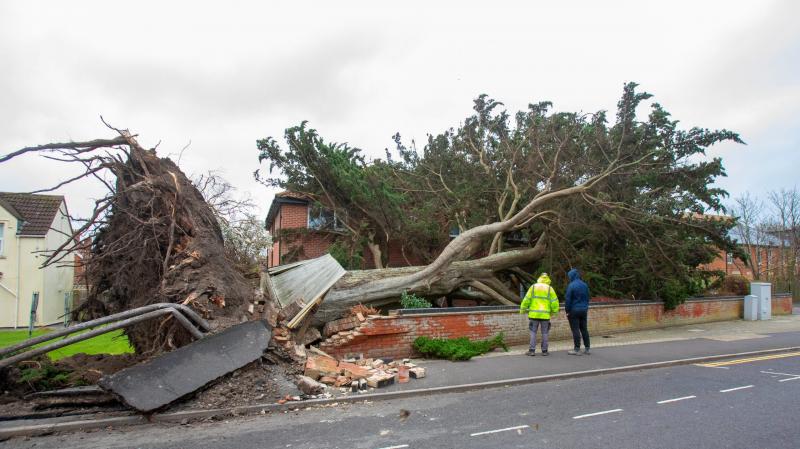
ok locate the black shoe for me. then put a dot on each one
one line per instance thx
(545, 353)
(531, 353)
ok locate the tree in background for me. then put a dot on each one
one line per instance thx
(768, 232)
(245, 238)
(539, 190)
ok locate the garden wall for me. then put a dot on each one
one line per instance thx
(393, 335)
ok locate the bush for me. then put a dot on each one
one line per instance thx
(45, 377)
(457, 348)
(735, 284)
(412, 301)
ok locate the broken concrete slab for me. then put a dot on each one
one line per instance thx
(167, 378)
(320, 366)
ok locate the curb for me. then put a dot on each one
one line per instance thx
(86, 424)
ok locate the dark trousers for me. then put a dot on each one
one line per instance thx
(577, 324)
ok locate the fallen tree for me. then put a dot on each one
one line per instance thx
(623, 201)
(153, 238)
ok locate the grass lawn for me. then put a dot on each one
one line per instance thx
(113, 342)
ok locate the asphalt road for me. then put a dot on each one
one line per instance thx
(740, 405)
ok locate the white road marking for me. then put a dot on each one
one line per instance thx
(792, 376)
(666, 401)
(737, 388)
(597, 413)
(717, 367)
(498, 430)
(395, 447)
(781, 374)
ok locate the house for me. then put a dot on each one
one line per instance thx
(769, 254)
(31, 225)
(303, 230)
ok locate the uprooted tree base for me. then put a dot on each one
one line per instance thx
(155, 239)
(162, 243)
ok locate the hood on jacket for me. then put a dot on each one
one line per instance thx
(544, 279)
(573, 274)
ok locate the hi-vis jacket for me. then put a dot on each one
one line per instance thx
(541, 301)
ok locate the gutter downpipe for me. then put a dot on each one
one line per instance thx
(19, 277)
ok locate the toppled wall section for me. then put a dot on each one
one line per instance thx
(393, 336)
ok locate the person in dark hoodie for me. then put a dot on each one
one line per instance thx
(577, 308)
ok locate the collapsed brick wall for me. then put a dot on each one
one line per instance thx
(393, 336)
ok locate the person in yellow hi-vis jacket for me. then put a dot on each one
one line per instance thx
(541, 303)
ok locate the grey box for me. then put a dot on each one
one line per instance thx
(764, 292)
(750, 308)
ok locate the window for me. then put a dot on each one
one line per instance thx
(320, 218)
(2, 228)
(730, 259)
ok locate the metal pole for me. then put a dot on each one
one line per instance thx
(187, 324)
(32, 320)
(203, 324)
(80, 337)
(67, 308)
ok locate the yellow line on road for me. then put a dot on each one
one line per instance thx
(748, 360)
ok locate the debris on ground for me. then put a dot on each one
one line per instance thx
(28, 388)
(374, 373)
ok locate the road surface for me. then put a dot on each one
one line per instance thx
(743, 403)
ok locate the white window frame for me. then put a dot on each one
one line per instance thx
(335, 226)
(2, 238)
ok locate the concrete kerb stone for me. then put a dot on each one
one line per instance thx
(86, 424)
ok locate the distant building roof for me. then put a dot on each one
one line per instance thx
(285, 197)
(36, 211)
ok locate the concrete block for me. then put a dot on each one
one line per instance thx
(171, 376)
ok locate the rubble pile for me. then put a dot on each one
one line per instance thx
(355, 375)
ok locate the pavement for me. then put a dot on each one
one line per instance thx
(614, 351)
(610, 354)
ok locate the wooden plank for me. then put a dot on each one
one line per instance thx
(299, 317)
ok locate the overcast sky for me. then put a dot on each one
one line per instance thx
(224, 74)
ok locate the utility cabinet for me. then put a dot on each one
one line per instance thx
(762, 290)
(750, 308)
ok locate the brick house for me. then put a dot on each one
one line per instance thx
(302, 230)
(765, 254)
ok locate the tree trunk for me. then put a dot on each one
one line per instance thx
(383, 287)
(377, 254)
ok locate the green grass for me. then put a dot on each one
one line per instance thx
(114, 342)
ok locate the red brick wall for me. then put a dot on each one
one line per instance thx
(393, 336)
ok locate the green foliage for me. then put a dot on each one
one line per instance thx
(45, 376)
(412, 301)
(457, 348)
(641, 231)
(351, 258)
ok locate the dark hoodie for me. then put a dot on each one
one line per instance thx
(577, 293)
